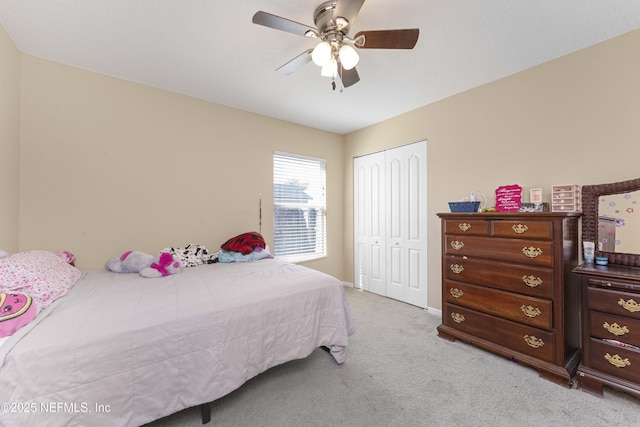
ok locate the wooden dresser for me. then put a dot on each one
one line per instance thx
(508, 287)
(610, 328)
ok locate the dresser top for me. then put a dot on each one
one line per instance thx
(502, 215)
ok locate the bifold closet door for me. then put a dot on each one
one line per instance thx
(369, 224)
(406, 219)
(390, 205)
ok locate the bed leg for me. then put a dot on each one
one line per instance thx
(205, 412)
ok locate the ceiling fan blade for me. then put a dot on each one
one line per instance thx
(387, 39)
(279, 23)
(348, 9)
(348, 77)
(295, 63)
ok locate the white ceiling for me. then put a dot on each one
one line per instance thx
(209, 49)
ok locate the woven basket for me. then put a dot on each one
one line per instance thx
(464, 206)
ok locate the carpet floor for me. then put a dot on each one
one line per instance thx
(400, 373)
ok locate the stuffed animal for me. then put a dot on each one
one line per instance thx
(163, 264)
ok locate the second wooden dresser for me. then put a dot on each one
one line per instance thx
(507, 287)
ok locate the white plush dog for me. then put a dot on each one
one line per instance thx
(163, 264)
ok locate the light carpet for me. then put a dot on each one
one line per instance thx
(400, 373)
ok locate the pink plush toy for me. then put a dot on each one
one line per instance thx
(163, 264)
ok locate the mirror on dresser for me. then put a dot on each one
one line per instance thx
(610, 313)
(611, 219)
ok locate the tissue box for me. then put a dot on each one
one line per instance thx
(464, 206)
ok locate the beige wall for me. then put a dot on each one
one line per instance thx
(573, 120)
(109, 165)
(9, 142)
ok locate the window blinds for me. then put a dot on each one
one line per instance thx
(299, 201)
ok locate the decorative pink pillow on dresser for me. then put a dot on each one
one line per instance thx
(41, 274)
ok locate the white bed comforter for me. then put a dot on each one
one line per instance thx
(121, 350)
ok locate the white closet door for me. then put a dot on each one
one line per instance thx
(369, 224)
(390, 236)
(406, 234)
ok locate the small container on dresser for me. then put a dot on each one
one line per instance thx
(611, 328)
(565, 198)
(507, 287)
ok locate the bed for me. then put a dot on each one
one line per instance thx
(122, 350)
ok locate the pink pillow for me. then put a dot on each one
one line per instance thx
(16, 310)
(40, 274)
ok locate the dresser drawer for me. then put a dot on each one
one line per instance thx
(619, 285)
(523, 229)
(614, 302)
(525, 279)
(473, 227)
(523, 339)
(535, 252)
(608, 326)
(531, 311)
(614, 360)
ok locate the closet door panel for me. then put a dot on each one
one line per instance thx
(369, 212)
(390, 207)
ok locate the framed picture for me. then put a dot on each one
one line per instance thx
(535, 195)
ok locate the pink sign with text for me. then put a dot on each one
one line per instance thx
(508, 198)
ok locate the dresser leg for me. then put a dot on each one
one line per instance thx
(589, 384)
(558, 379)
(445, 335)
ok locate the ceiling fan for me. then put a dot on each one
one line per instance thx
(335, 53)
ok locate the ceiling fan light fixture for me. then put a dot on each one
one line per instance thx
(348, 57)
(321, 54)
(330, 69)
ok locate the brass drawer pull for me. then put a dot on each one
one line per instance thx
(464, 226)
(630, 305)
(532, 252)
(617, 361)
(616, 329)
(456, 268)
(456, 293)
(457, 245)
(532, 281)
(533, 341)
(519, 229)
(457, 317)
(529, 311)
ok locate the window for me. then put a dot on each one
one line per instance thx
(299, 204)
